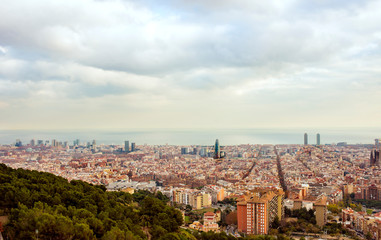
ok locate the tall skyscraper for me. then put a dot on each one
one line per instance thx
(32, 142)
(217, 151)
(204, 151)
(375, 154)
(76, 142)
(126, 146)
(132, 147)
(305, 139)
(318, 139)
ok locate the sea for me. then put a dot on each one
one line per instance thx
(185, 137)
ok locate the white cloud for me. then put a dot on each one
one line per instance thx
(3, 50)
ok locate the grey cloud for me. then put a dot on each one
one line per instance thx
(175, 53)
(148, 44)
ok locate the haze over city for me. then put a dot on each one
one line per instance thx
(189, 64)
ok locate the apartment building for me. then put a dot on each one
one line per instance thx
(258, 209)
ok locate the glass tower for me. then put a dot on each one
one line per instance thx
(217, 151)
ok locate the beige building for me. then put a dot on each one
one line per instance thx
(196, 199)
(321, 211)
(200, 200)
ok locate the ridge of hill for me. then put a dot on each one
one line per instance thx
(40, 203)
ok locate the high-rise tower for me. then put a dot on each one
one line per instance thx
(132, 147)
(318, 139)
(375, 154)
(217, 151)
(126, 146)
(305, 139)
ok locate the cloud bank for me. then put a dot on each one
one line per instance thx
(189, 64)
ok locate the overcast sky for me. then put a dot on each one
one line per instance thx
(189, 64)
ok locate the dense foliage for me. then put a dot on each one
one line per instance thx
(369, 203)
(302, 214)
(305, 221)
(335, 228)
(231, 201)
(59, 209)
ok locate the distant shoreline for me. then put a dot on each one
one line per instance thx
(196, 136)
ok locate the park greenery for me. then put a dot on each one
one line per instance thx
(369, 203)
(44, 205)
(337, 208)
(230, 201)
(305, 221)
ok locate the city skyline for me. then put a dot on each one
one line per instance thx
(255, 183)
(190, 137)
(199, 64)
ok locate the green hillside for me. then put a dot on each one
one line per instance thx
(59, 209)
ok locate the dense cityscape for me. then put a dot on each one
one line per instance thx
(190, 120)
(236, 182)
